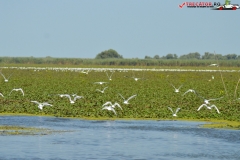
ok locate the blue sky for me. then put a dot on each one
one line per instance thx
(134, 28)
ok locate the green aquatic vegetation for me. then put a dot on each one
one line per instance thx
(154, 94)
(20, 130)
(224, 124)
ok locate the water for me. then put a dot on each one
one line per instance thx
(120, 139)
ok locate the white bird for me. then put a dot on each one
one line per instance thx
(190, 90)
(102, 91)
(126, 101)
(100, 82)
(41, 105)
(70, 99)
(1, 94)
(213, 65)
(135, 78)
(17, 89)
(109, 77)
(112, 105)
(174, 114)
(85, 72)
(212, 78)
(207, 101)
(5, 79)
(74, 94)
(208, 107)
(176, 89)
(110, 108)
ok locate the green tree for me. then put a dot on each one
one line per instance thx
(147, 57)
(108, 54)
(215, 56)
(195, 55)
(156, 57)
(231, 56)
(169, 56)
(208, 55)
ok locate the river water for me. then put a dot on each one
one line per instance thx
(119, 139)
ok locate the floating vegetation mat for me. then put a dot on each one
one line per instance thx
(20, 130)
(223, 125)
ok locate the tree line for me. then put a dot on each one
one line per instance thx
(112, 58)
(197, 56)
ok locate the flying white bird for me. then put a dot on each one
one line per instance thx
(85, 72)
(190, 90)
(126, 101)
(1, 94)
(112, 105)
(212, 78)
(110, 108)
(70, 99)
(208, 107)
(109, 77)
(176, 89)
(100, 82)
(5, 79)
(207, 101)
(213, 65)
(135, 78)
(102, 91)
(17, 89)
(41, 105)
(174, 114)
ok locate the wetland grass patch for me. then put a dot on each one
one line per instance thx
(20, 130)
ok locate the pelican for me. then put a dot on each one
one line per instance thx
(102, 91)
(174, 114)
(5, 79)
(17, 89)
(208, 107)
(41, 105)
(68, 96)
(112, 105)
(126, 101)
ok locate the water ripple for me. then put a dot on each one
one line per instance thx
(119, 139)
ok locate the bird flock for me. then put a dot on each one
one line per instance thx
(125, 101)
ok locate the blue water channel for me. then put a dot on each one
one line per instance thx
(119, 139)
